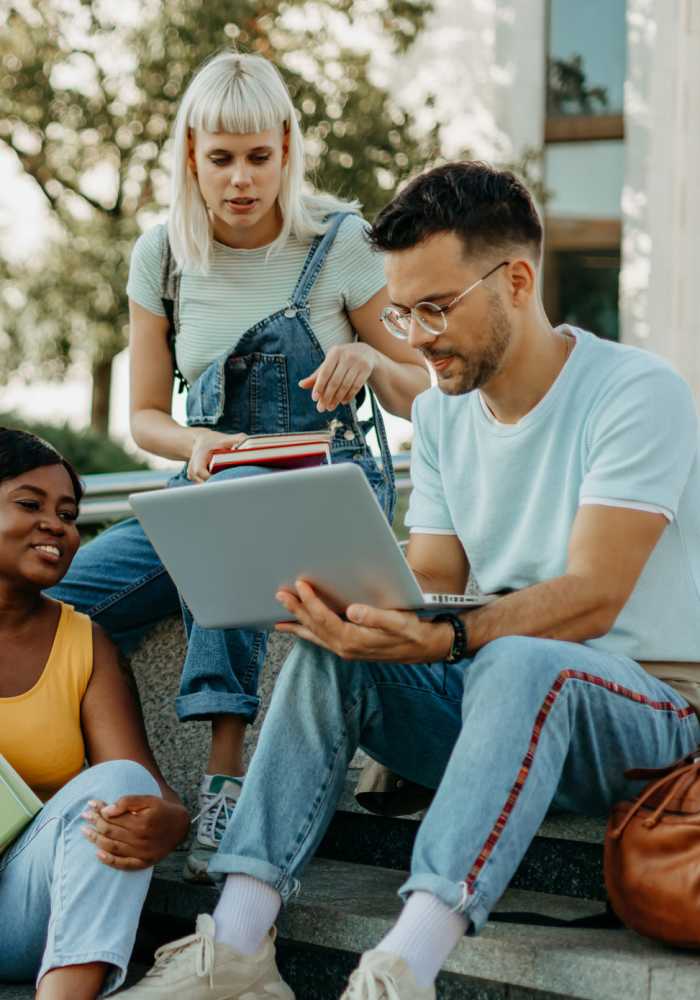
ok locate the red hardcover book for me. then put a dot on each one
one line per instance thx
(283, 451)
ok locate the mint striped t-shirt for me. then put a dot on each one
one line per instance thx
(244, 286)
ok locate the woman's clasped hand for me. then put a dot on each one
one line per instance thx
(136, 831)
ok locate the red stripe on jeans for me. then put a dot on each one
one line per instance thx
(551, 697)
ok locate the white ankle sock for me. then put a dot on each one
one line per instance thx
(246, 911)
(424, 935)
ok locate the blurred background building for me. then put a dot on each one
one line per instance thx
(605, 96)
(595, 102)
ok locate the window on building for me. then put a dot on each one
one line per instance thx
(586, 67)
(586, 289)
(584, 161)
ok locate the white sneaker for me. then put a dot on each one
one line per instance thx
(218, 795)
(383, 976)
(199, 968)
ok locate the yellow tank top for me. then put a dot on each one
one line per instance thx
(40, 733)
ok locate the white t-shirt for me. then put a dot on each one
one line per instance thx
(617, 427)
(245, 286)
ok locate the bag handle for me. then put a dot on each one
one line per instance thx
(680, 781)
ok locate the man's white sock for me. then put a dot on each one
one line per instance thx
(246, 911)
(424, 935)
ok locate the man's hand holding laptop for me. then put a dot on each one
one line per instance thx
(439, 564)
(368, 633)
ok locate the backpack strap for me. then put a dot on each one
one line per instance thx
(170, 297)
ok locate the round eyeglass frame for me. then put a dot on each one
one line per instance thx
(439, 312)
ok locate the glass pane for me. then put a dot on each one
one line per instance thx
(586, 292)
(584, 179)
(587, 54)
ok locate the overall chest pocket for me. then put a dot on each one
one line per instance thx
(256, 392)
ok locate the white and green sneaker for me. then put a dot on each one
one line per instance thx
(218, 795)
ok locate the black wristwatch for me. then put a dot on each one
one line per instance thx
(458, 650)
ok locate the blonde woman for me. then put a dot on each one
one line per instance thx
(265, 300)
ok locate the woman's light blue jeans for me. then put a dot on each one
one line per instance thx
(59, 905)
(523, 725)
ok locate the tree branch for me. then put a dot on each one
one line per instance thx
(33, 166)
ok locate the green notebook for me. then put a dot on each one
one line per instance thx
(18, 804)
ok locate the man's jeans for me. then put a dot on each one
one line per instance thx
(59, 905)
(523, 725)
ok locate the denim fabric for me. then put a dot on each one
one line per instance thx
(524, 725)
(58, 904)
(118, 579)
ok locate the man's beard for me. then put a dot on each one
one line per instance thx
(469, 372)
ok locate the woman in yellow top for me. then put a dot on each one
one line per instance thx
(73, 883)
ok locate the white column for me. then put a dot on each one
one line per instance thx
(520, 69)
(660, 281)
(483, 62)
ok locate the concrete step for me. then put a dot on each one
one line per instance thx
(565, 858)
(344, 909)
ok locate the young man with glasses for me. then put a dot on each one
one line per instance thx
(547, 462)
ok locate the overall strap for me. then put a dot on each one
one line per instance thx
(384, 450)
(309, 273)
(170, 297)
(314, 262)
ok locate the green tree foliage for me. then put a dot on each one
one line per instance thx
(89, 451)
(87, 98)
(569, 92)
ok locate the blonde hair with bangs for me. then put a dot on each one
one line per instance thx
(239, 94)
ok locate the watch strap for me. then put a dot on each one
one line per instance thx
(458, 650)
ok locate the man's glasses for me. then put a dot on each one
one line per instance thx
(431, 318)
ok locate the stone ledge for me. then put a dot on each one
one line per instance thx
(182, 748)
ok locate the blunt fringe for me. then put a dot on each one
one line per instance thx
(488, 209)
(22, 452)
(240, 94)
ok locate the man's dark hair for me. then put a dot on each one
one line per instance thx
(22, 452)
(488, 209)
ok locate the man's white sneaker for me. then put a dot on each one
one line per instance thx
(199, 968)
(218, 795)
(382, 976)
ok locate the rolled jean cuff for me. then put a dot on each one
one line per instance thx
(204, 704)
(237, 864)
(453, 894)
(115, 975)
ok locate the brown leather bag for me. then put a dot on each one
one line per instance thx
(652, 855)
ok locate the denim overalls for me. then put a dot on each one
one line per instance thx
(118, 579)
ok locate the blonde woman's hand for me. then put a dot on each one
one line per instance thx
(206, 442)
(345, 369)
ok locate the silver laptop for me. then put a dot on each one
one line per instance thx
(229, 546)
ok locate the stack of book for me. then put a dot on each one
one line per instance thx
(281, 451)
(18, 804)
